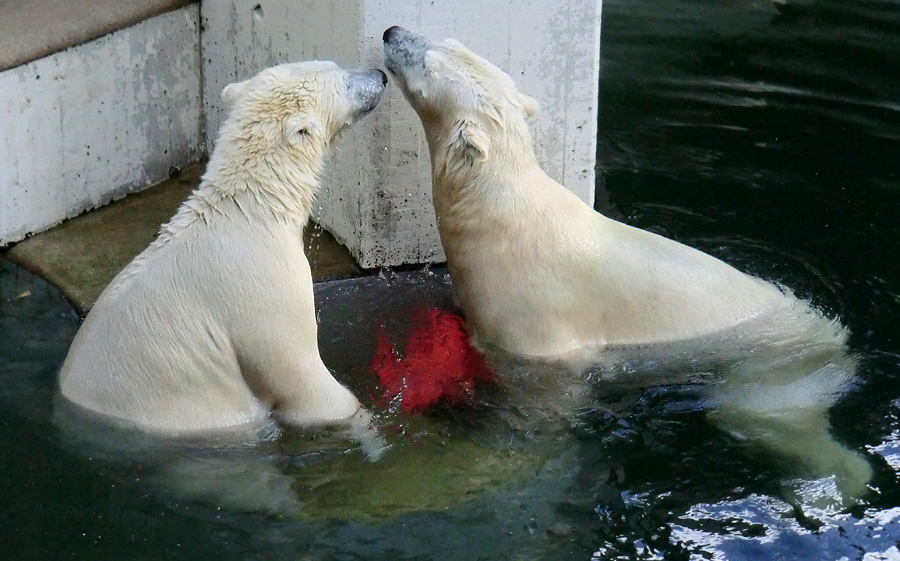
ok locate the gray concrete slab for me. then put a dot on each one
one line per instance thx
(32, 29)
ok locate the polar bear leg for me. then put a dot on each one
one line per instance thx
(782, 407)
(278, 352)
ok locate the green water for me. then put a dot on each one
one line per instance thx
(768, 139)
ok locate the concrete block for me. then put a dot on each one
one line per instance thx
(94, 122)
(376, 198)
(33, 29)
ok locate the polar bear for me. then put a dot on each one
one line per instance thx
(213, 325)
(540, 274)
(537, 271)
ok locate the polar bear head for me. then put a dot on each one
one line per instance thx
(287, 115)
(466, 104)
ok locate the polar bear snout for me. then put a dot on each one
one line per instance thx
(365, 88)
(397, 35)
(391, 32)
(402, 48)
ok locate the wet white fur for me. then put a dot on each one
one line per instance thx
(540, 274)
(538, 271)
(213, 325)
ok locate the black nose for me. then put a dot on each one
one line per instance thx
(390, 32)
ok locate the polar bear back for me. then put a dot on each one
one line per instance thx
(178, 298)
(556, 276)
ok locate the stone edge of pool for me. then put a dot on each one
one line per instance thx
(82, 255)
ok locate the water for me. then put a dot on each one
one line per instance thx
(769, 140)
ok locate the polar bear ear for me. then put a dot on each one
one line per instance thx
(299, 128)
(529, 105)
(470, 141)
(232, 91)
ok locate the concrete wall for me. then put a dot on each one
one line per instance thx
(377, 201)
(94, 122)
(112, 116)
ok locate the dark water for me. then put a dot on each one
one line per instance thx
(768, 139)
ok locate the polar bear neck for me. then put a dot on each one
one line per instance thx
(493, 187)
(261, 184)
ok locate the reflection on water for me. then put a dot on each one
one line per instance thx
(766, 137)
(770, 139)
(616, 469)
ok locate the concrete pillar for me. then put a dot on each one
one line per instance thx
(377, 195)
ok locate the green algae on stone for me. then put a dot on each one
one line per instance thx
(433, 477)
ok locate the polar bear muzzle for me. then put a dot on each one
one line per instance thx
(402, 48)
(405, 50)
(365, 88)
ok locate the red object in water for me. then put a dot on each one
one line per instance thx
(438, 363)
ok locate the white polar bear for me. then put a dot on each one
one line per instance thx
(540, 274)
(537, 271)
(213, 325)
